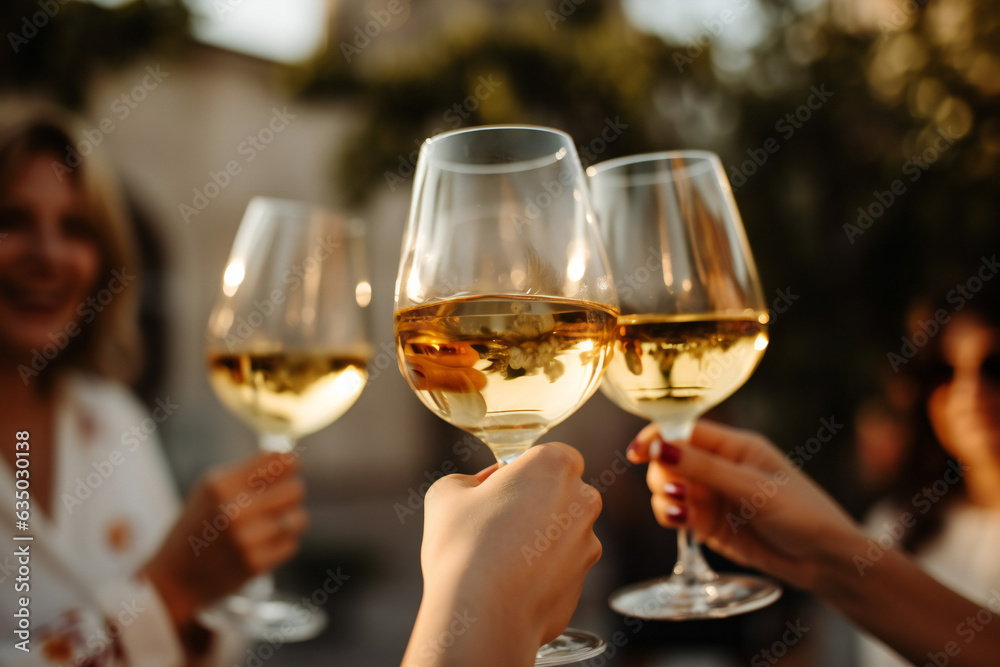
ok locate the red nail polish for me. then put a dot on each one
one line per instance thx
(632, 446)
(675, 490)
(669, 454)
(677, 514)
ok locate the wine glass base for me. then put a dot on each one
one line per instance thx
(671, 599)
(280, 618)
(571, 646)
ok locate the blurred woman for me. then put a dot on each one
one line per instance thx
(943, 504)
(118, 569)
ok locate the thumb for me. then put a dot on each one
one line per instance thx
(485, 473)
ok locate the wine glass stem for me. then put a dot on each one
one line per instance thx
(499, 451)
(277, 442)
(691, 567)
(261, 588)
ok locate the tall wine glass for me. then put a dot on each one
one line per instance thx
(693, 328)
(288, 351)
(505, 304)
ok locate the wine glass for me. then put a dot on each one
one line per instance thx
(693, 328)
(288, 352)
(505, 305)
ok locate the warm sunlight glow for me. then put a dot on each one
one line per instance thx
(363, 293)
(231, 279)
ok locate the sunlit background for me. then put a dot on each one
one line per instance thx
(816, 107)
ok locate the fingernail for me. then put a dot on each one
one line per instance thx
(667, 453)
(630, 451)
(677, 514)
(675, 490)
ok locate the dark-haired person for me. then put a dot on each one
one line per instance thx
(943, 501)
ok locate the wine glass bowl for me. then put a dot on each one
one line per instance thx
(505, 305)
(288, 350)
(692, 329)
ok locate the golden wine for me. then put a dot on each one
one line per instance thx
(505, 368)
(671, 369)
(288, 392)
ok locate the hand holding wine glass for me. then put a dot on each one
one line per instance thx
(288, 350)
(475, 527)
(693, 328)
(192, 574)
(505, 304)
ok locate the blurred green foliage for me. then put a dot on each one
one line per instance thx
(52, 47)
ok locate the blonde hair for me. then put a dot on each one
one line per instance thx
(110, 345)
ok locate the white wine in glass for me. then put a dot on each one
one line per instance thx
(288, 351)
(505, 368)
(505, 304)
(693, 328)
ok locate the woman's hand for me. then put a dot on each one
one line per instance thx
(238, 522)
(504, 557)
(746, 501)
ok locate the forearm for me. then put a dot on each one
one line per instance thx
(181, 607)
(457, 630)
(895, 600)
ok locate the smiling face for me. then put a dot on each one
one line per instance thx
(49, 260)
(965, 410)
